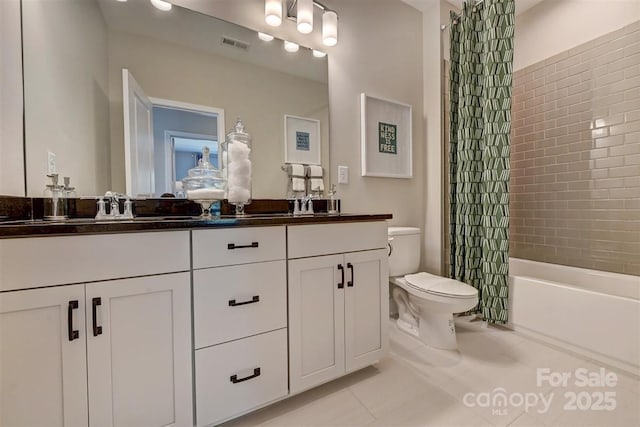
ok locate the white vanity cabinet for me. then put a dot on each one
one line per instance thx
(338, 300)
(97, 353)
(240, 320)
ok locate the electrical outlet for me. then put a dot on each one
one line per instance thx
(343, 174)
(51, 163)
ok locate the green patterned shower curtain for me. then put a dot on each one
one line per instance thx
(480, 85)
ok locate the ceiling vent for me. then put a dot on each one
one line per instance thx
(227, 41)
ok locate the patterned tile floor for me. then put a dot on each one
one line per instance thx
(420, 386)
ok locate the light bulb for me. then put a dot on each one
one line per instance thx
(162, 5)
(265, 37)
(291, 46)
(305, 16)
(330, 28)
(273, 12)
(318, 53)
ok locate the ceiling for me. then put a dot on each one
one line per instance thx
(422, 5)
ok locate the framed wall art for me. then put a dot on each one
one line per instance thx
(385, 129)
(302, 140)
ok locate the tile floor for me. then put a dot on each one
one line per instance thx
(420, 386)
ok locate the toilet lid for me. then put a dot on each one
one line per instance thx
(440, 285)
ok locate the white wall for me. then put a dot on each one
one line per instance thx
(379, 53)
(11, 152)
(200, 78)
(554, 26)
(67, 107)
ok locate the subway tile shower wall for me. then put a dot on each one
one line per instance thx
(575, 156)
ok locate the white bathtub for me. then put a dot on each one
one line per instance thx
(593, 313)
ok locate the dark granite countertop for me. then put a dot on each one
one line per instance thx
(35, 228)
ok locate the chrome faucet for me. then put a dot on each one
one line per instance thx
(113, 198)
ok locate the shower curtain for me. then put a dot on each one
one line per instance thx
(480, 117)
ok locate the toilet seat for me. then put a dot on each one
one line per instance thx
(441, 286)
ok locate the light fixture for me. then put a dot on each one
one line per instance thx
(273, 12)
(162, 5)
(330, 28)
(121, 1)
(318, 53)
(265, 37)
(291, 46)
(301, 11)
(305, 16)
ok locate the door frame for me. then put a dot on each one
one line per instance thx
(185, 106)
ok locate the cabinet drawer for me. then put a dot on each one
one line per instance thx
(214, 248)
(45, 261)
(235, 377)
(237, 301)
(325, 239)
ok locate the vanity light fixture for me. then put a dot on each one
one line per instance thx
(291, 46)
(318, 53)
(273, 12)
(265, 37)
(330, 28)
(305, 16)
(161, 5)
(301, 11)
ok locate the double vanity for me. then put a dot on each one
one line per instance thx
(184, 322)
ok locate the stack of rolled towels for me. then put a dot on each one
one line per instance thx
(297, 178)
(316, 182)
(239, 172)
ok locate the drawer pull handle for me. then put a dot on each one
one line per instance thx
(73, 333)
(341, 284)
(233, 303)
(234, 246)
(234, 378)
(95, 302)
(353, 278)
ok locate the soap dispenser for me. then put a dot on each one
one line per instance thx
(332, 207)
(54, 201)
(70, 195)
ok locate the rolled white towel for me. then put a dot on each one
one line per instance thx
(297, 184)
(316, 184)
(238, 195)
(297, 170)
(315, 171)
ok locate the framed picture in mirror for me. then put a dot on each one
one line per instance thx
(301, 140)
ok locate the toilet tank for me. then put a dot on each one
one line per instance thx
(404, 248)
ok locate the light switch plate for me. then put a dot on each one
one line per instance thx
(343, 174)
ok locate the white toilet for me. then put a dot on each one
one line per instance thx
(426, 302)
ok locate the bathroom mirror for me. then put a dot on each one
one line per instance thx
(193, 64)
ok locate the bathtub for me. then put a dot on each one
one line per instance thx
(592, 313)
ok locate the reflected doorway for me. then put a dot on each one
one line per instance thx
(180, 131)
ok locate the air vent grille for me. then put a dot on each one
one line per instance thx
(228, 41)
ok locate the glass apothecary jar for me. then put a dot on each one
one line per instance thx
(236, 164)
(204, 184)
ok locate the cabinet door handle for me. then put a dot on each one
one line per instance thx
(97, 330)
(234, 378)
(231, 246)
(73, 334)
(233, 303)
(353, 277)
(341, 284)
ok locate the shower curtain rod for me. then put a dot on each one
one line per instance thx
(445, 26)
